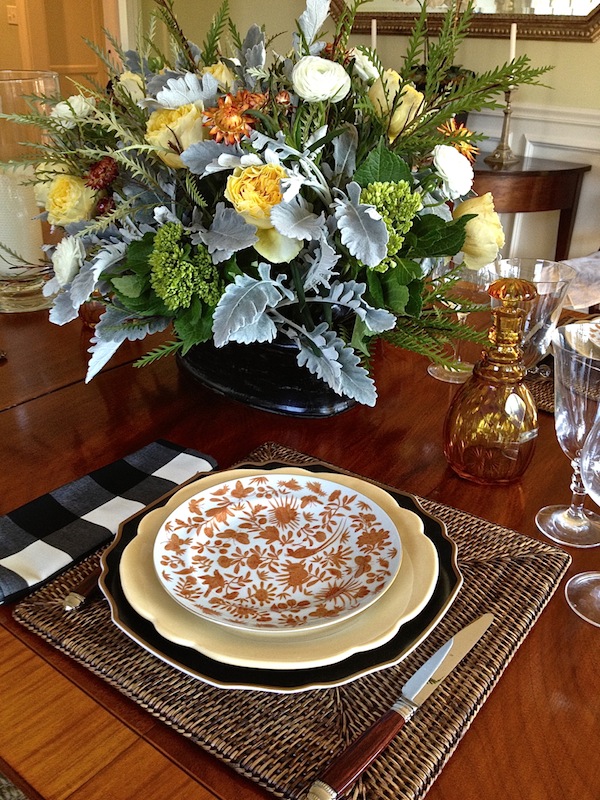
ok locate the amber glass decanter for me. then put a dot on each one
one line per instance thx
(491, 426)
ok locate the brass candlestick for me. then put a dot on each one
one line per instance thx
(503, 155)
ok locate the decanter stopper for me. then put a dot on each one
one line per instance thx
(491, 426)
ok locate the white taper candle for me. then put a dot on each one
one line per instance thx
(513, 41)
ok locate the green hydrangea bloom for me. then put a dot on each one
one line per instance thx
(180, 272)
(398, 205)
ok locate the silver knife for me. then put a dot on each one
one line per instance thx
(352, 762)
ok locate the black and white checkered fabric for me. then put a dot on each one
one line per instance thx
(43, 537)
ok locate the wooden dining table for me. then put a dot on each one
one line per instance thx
(65, 734)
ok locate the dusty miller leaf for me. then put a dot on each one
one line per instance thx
(322, 262)
(189, 88)
(245, 302)
(228, 233)
(295, 220)
(313, 18)
(344, 152)
(338, 366)
(201, 155)
(361, 227)
(112, 330)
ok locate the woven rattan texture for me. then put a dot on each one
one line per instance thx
(543, 394)
(282, 741)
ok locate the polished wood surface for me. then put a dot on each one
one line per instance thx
(535, 184)
(66, 734)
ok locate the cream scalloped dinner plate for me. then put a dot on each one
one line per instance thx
(407, 595)
(277, 552)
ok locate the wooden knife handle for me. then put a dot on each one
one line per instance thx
(348, 766)
(80, 593)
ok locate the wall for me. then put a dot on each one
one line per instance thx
(10, 51)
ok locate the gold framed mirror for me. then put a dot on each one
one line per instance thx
(582, 27)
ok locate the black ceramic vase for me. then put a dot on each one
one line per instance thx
(265, 376)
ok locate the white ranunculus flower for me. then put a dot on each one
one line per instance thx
(67, 259)
(454, 169)
(316, 79)
(76, 108)
(363, 66)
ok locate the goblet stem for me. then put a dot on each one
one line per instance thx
(572, 525)
(462, 371)
(578, 493)
(461, 318)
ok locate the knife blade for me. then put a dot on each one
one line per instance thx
(344, 770)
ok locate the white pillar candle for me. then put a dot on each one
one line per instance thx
(513, 41)
(373, 34)
(19, 231)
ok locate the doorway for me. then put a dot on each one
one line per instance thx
(53, 34)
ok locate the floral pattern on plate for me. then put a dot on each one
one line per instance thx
(277, 552)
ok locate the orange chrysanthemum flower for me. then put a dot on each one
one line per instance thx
(461, 138)
(250, 100)
(228, 121)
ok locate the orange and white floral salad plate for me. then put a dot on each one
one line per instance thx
(295, 648)
(278, 552)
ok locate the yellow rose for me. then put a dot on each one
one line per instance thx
(172, 131)
(222, 74)
(383, 94)
(45, 172)
(131, 84)
(253, 191)
(69, 200)
(485, 235)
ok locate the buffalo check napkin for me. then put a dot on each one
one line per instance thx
(43, 537)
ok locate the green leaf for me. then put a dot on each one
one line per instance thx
(414, 306)
(382, 165)
(131, 286)
(375, 288)
(407, 270)
(138, 254)
(360, 337)
(195, 324)
(395, 291)
(432, 236)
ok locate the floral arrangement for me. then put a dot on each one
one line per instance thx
(243, 195)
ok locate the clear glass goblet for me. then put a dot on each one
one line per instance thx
(576, 350)
(470, 287)
(583, 590)
(551, 280)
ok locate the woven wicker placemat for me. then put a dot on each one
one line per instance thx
(542, 390)
(282, 741)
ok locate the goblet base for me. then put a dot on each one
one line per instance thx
(459, 374)
(583, 595)
(560, 525)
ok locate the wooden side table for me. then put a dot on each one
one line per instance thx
(535, 184)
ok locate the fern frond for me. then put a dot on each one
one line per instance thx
(166, 349)
(193, 192)
(235, 35)
(111, 64)
(166, 13)
(210, 46)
